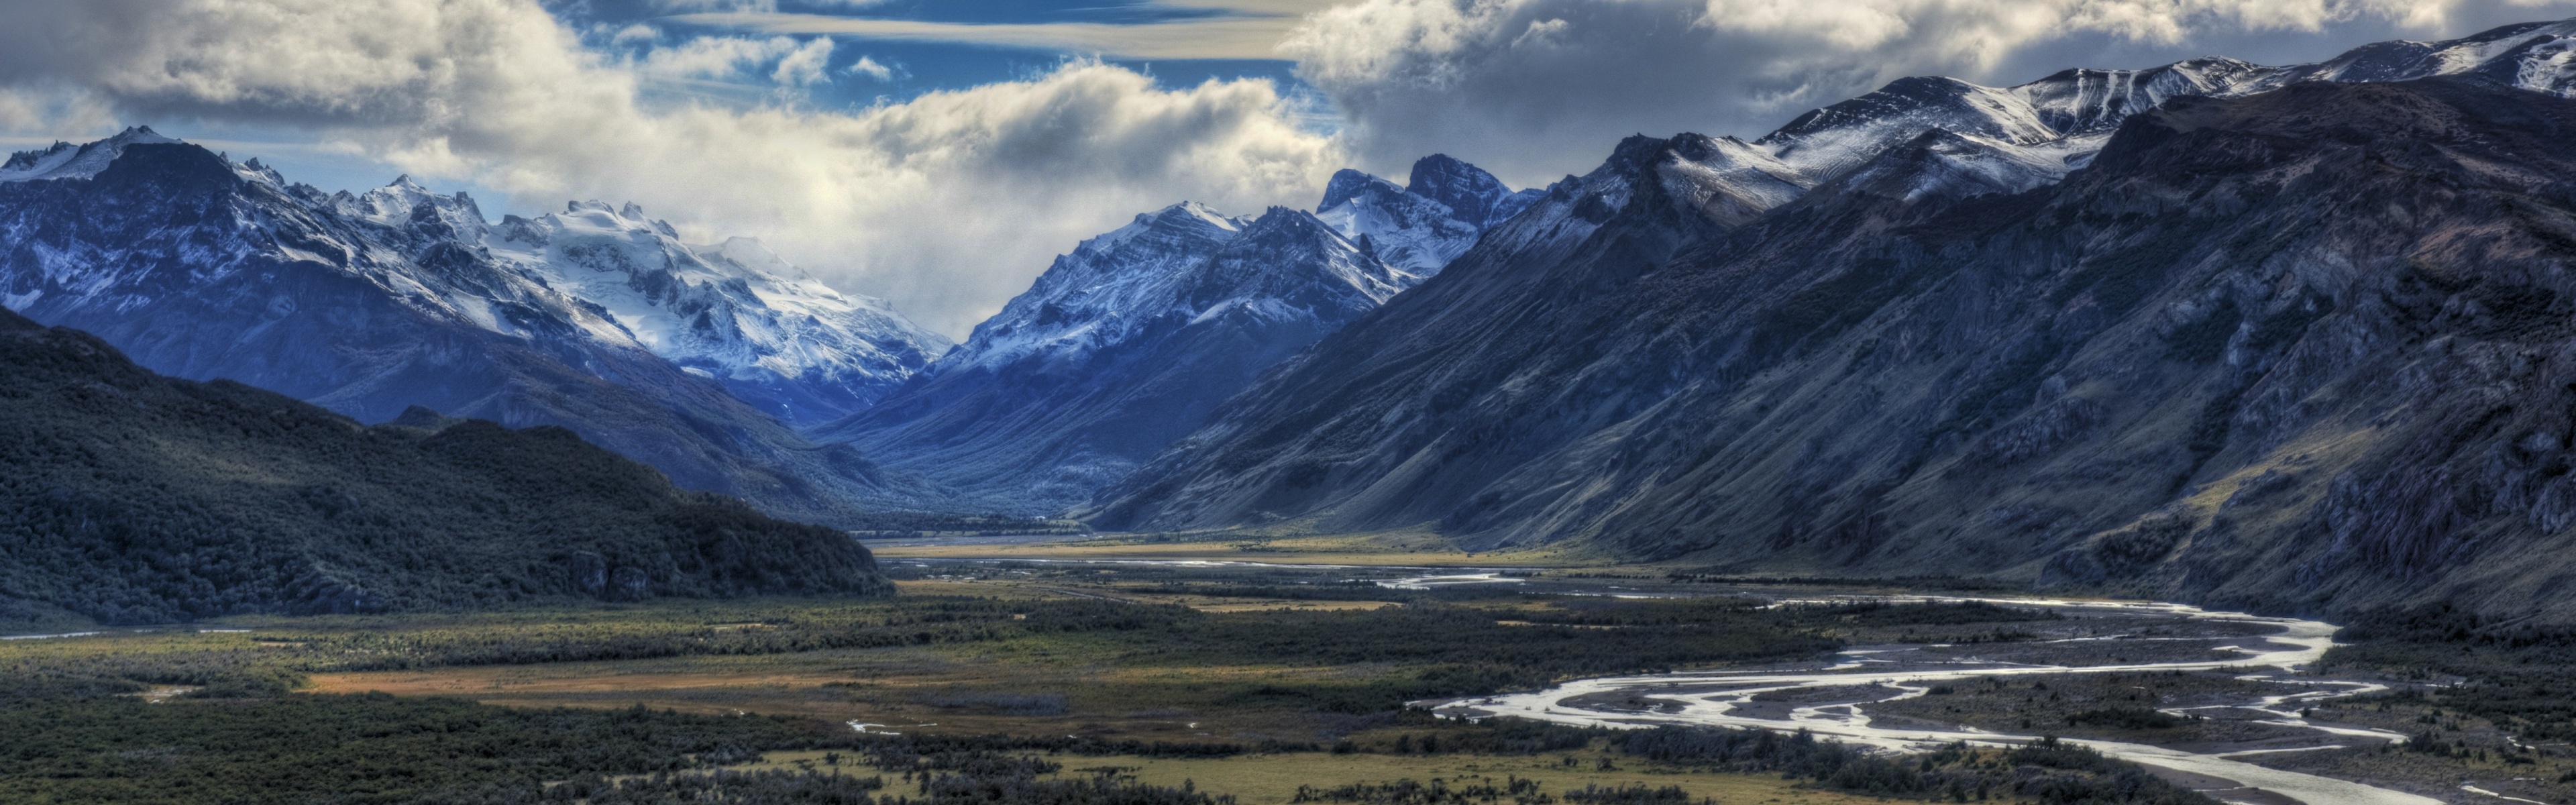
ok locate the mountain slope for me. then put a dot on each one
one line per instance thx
(1120, 347)
(201, 268)
(2303, 349)
(135, 498)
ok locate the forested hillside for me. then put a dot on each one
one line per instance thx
(136, 498)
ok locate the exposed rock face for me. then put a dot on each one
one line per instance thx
(203, 268)
(2302, 349)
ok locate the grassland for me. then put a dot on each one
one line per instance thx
(1287, 546)
(1274, 779)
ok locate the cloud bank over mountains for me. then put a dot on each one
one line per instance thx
(948, 202)
(1516, 85)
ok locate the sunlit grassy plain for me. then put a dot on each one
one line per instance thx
(1273, 779)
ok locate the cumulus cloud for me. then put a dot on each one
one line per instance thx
(870, 67)
(723, 58)
(948, 203)
(807, 65)
(1535, 88)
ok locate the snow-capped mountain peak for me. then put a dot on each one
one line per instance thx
(2005, 138)
(405, 205)
(1348, 184)
(1420, 227)
(2537, 56)
(67, 161)
(773, 335)
(734, 311)
(1829, 141)
(1124, 344)
(1473, 196)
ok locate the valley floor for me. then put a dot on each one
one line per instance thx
(1257, 669)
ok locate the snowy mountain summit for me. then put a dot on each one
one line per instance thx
(69, 161)
(693, 358)
(1418, 228)
(733, 311)
(2010, 139)
(1131, 339)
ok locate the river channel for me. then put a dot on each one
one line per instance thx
(1835, 699)
(1846, 698)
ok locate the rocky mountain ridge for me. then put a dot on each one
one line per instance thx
(2285, 345)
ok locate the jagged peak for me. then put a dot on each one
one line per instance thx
(1636, 152)
(2195, 65)
(1471, 194)
(1186, 215)
(1348, 184)
(1278, 218)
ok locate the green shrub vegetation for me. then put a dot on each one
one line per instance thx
(2513, 674)
(374, 748)
(70, 733)
(2049, 772)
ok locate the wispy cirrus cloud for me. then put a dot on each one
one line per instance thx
(1217, 29)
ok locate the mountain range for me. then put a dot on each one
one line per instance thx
(694, 359)
(1126, 343)
(2293, 338)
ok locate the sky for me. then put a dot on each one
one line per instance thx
(940, 153)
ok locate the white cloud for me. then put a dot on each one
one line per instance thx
(1226, 29)
(719, 58)
(635, 33)
(948, 203)
(807, 65)
(1535, 88)
(1213, 37)
(868, 66)
(51, 111)
(681, 6)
